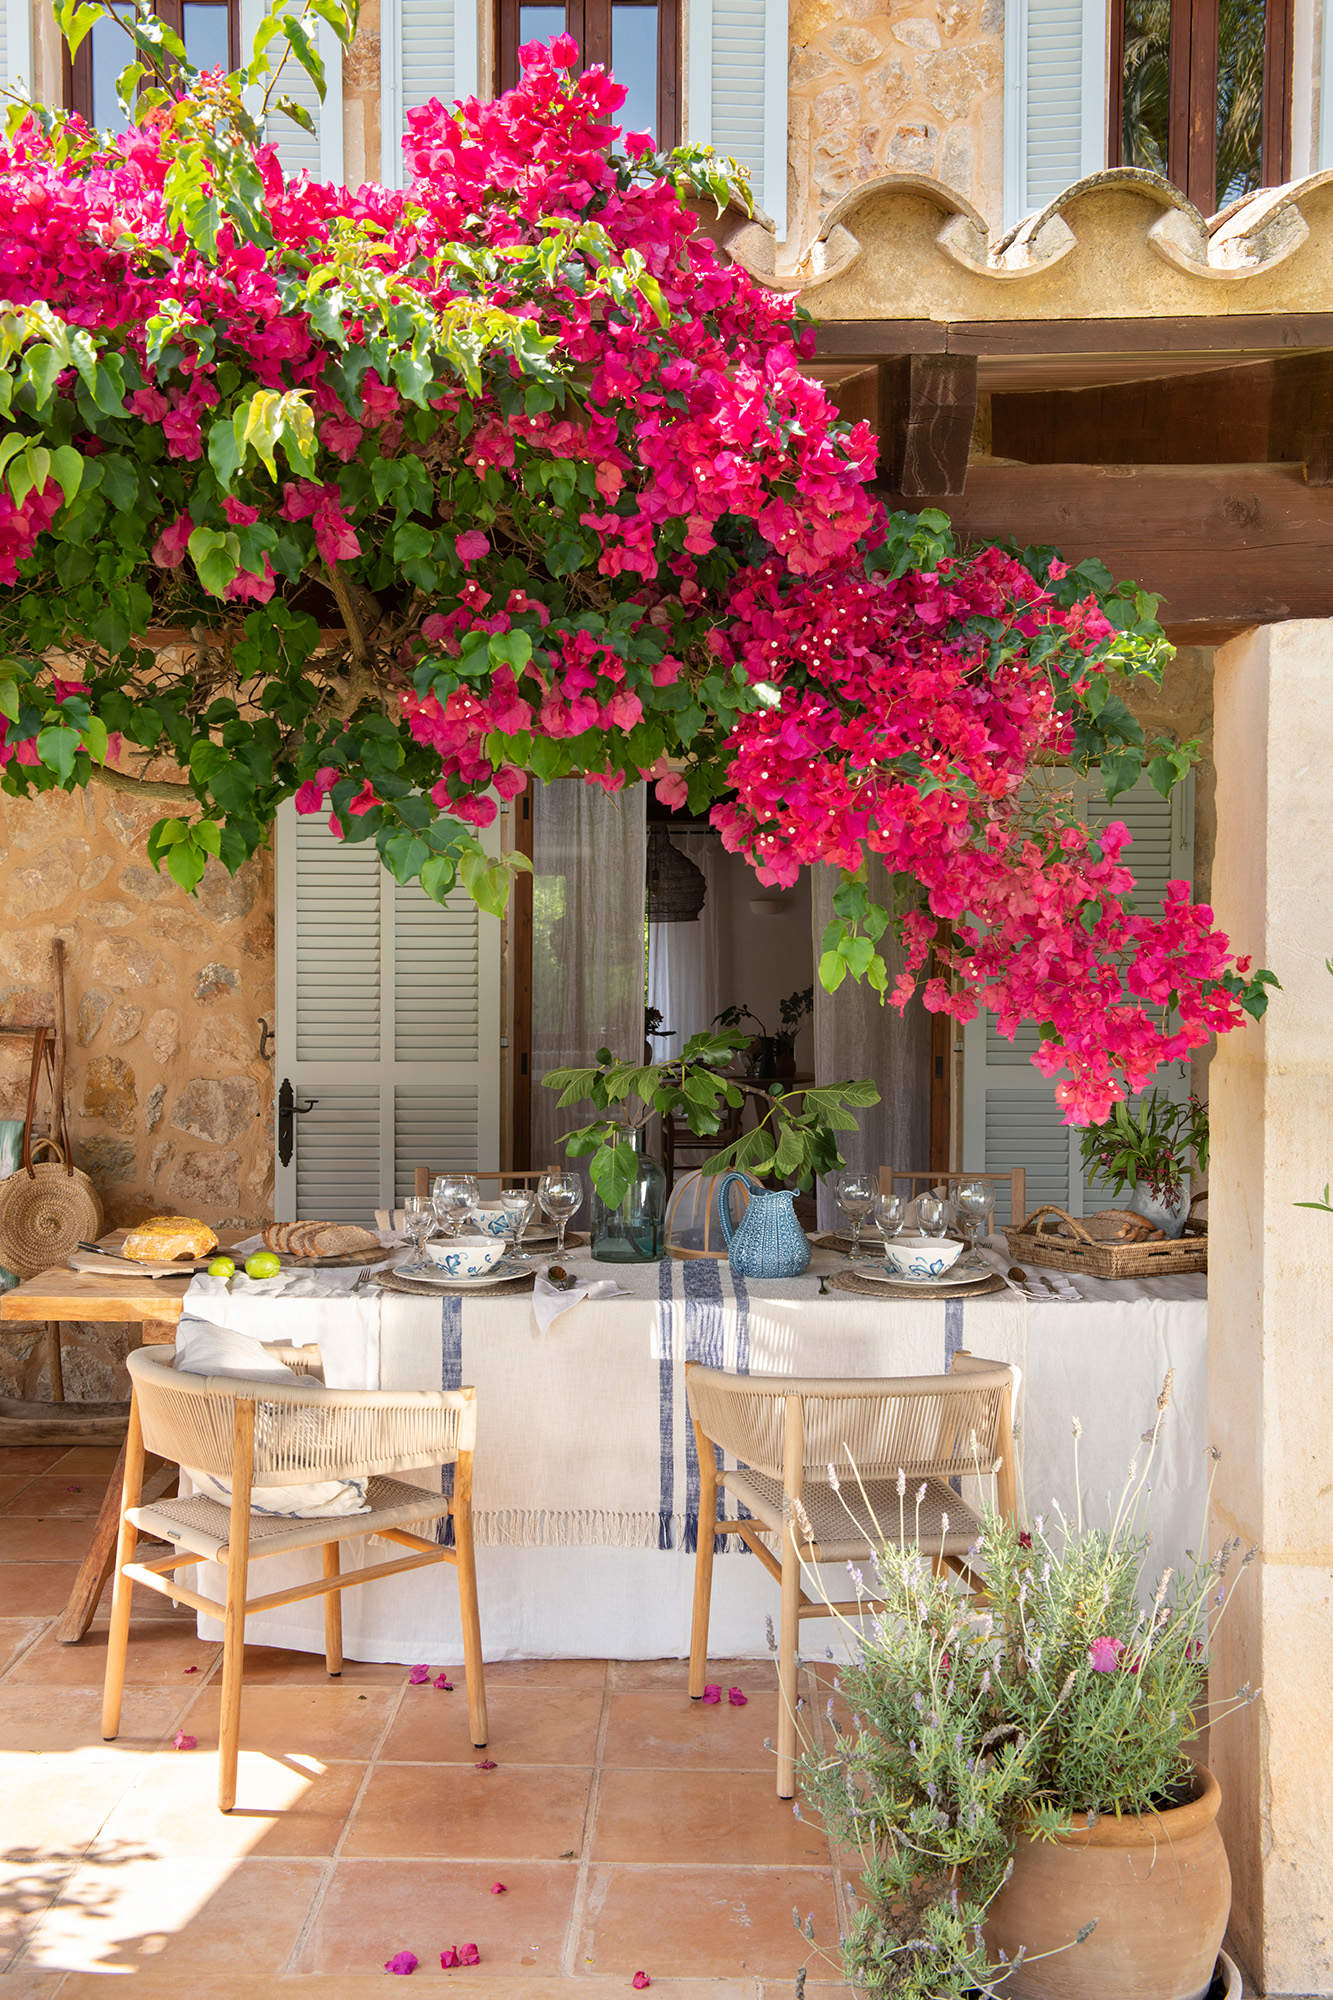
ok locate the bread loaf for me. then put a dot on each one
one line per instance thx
(163, 1237)
(318, 1239)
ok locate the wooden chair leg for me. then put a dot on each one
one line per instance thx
(789, 1638)
(118, 1638)
(467, 1600)
(333, 1615)
(703, 1564)
(233, 1618)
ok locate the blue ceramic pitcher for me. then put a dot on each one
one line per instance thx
(768, 1241)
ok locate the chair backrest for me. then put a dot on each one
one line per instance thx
(502, 1176)
(303, 1432)
(1014, 1177)
(927, 1426)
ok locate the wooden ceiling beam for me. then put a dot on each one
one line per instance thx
(1251, 336)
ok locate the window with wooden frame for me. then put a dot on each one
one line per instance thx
(1201, 92)
(637, 40)
(210, 30)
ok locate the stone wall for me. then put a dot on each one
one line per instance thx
(880, 86)
(170, 1106)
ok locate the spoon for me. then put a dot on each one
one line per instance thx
(560, 1278)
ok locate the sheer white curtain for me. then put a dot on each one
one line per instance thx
(685, 960)
(589, 857)
(857, 1036)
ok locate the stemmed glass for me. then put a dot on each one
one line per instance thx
(453, 1195)
(418, 1222)
(855, 1195)
(560, 1195)
(932, 1212)
(518, 1204)
(890, 1211)
(973, 1203)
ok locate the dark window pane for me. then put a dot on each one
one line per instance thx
(634, 62)
(205, 35)
(1145, 90)
(111, 50)
(1240, 98)
(539, 24)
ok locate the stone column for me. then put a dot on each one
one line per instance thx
(1270, 1287)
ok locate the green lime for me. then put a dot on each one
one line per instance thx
(262, 1265)
(222, 1267)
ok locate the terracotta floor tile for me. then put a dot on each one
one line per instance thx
(373, 1909)
(15, 1635)
(731, 1817)
(28, 1886)
(32, 1458)
(21, 1984)
(12, 1483)
(204, 1916)
(159, 1652)
(528, 1725)
(271, 1665)
(521, 1813)
(567, 1674)
(329, 1723)
(90, 1459)
(751, 1675)
(696, 1921)
(54, 1805)
(36, 1720)
(284, 1806)
(35, 1589)
(50, 1494)
(481, 1985)
(62, 1540)
(662, 1729)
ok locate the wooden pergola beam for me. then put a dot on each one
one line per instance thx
(1252, 336)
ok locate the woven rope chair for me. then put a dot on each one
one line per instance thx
(786, 1432)
(260, 1434)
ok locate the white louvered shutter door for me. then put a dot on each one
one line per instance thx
(388, 1026)
(1055, 99)
(428, 49)
(737, 91)
(1010, 1116)
(318, 153)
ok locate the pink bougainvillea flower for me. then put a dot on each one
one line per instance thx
(468, 1955)
(486, 1764)
(443, 1681)
(640, 1982)
(181, 1741)
(449, 1957)
(1104, 1654)
(736, 1698)
(472, 545)
(712, 1693)
(417, 1676)
(497, 1889)
(402, 1963)
(192, 1670)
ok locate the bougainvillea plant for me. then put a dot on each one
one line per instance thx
(393, 500)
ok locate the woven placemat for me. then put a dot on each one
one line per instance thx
(852, 1281)
(833, 1239)
(391, 1281)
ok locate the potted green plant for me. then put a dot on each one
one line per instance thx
(757, 1051)
(1016, 1772)
(1146, 1155)
(794, 1011)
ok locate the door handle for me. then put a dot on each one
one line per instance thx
(289, 1107)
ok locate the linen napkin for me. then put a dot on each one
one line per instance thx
(549, 1301)
(994, 1252)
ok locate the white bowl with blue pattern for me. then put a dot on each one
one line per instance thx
(922, 1256)
(491, 1221)
(466, 1256)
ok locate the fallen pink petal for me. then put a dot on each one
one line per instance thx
(736, 1698)
(402, 1963)
(712, 1693)
(497, 1888)
(640, 1981)
(192, 1670)
(449, 1957)
(486, 1764)
(183, 1742)
(468, 1955)
(418, 1676)
(443, 1681)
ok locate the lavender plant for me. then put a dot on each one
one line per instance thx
(1073, 1689)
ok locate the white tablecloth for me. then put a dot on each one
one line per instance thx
(586, 1484)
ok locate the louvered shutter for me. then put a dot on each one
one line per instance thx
(319, 154)
(1010, 1116)
(737, 91)
(1055, 97)
(428, 49)
(16, 42)
(388, 1025)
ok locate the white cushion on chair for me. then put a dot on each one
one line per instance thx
(203, 1349)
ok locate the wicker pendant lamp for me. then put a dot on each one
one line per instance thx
(676, 888)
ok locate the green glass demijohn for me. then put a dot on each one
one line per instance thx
(635, 1232)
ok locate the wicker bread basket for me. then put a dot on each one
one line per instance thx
(1052, 1237)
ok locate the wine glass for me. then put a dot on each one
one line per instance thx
(974, 1203)
(932, 1213)
(418, 1221)
(890, 1211)
(560, 1194)
(518, 1204)
(855, 1195)
(452, 1195)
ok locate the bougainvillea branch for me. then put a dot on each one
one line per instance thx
(390, 500)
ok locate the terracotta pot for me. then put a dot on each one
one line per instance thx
(1158, 1886)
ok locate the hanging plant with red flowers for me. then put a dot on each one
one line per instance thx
(393, 499)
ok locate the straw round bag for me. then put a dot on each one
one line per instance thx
(46, 1209)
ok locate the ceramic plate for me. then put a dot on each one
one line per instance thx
(502, 1273)
(964, 1272)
